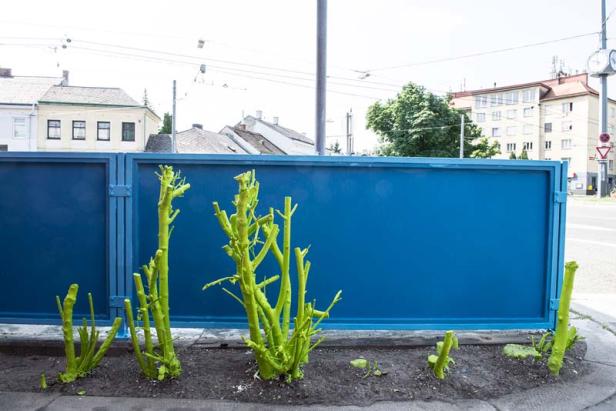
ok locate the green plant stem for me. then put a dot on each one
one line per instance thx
(559, 342)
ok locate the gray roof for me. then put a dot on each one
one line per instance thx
(195, 140)
(89, 95)
(292, 134)
(258, 141)
(159, 143)
(25, 89)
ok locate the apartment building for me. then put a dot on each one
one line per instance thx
(554, 119)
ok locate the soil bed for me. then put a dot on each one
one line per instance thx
(480, 372)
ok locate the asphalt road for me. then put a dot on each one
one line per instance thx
(591, 241)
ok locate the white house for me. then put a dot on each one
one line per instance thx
(286, 140)
(19, 97)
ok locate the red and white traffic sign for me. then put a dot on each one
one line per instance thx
(604, 138)
(603, 150)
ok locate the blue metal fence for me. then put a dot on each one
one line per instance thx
(413, 243)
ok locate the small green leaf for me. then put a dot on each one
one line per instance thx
(360, 363)
(81, 392)
(162, 370)
(43, 382)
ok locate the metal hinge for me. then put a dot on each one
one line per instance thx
(120, 190)
(117, 301)
(554, 304)
(560, 197)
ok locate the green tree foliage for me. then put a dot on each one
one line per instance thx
(335, 148)
(421, 124)
(167, 123)
(512, 156)
(523, 155)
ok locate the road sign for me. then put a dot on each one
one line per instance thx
(604, 137)
(603, 150)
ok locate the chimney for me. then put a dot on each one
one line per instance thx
(197, 125)
(275, 121)
(64, 78)
(5, 72)
(259, 114)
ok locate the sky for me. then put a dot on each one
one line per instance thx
(261, 55)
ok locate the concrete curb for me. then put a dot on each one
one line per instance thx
(595, 391)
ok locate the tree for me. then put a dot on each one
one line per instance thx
(512, 156)
(167, 123)
(421, 124)
(523, 155)
(146, 100)
(335, 148)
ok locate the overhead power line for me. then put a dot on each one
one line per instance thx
(482, 53)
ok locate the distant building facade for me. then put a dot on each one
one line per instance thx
(285, 140)
(19, 96)
(555, 119)
(93, 119)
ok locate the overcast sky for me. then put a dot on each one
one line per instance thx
(260, 55)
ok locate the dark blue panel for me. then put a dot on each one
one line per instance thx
(413, 243)
(52, 233)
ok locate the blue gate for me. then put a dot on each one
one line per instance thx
(413, 243)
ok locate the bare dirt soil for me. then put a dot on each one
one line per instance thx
(480, 371)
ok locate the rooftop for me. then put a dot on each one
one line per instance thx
(256, 140)
(107, 96)
(194, 140)
(25, 89)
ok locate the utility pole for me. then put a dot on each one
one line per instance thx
(321, 75)
(349, 133)
(602, 164)
(461, 135)
(173, 122)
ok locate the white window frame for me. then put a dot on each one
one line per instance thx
(481, 117)
(566, 144)
(528, 129)
(512, 130)
(510, 147)
(548, 145)
(528, 112)
(528, 145)
(511, 114)
(496, 132)
(496, 116)
(16, 127)
(566, 126)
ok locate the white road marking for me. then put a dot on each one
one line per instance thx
(590, 227)
(601, 243)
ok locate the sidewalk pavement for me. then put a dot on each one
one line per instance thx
(594, 391)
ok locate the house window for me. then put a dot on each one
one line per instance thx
(481, 101)
(547, 127)
(565, 144)
(528, 129)
(496, 115)
(19, 127)
(528, 145)
(128, 131)
(512, 114)
(567, 126)
(53, 129)
(610, 164)
(548, 144)
(548, 158)
(511, 97)
(103, 130)
(4, 147)
(528, 112)
(612, 111)
(496, 132)
(481, 117)
(566, 159)
(79, 130)
(528, 96)
(512, 131)
(567, 107)
(510, 147)
(494, 100)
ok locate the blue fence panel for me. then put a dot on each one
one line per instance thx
(413, 243)
(54, 222)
